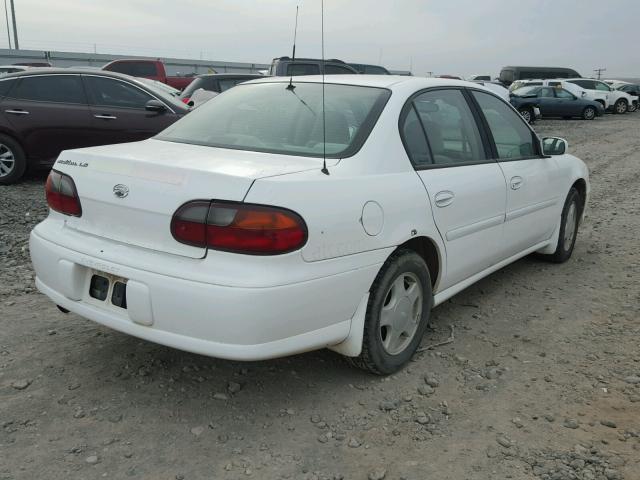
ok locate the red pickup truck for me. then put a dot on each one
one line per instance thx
(153, 69)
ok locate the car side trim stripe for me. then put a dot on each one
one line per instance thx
(521, 212)
(474, 227)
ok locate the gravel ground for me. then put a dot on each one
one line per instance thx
(541, 382)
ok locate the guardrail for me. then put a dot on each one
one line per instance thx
(174, 66)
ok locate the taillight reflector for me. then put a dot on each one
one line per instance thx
(239, 227)
(186, 100)
(62, 195)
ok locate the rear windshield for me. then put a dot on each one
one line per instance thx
(269, 117)
(526, 91)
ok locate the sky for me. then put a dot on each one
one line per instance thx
(459, 37)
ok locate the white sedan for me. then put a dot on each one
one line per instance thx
(262, 224)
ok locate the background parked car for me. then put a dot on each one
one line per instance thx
(554, 102)
(484, 78)
(619, 102)
(510, 74)
(369, 69)
(216, 82)
(153, 69)
(596, 95)
(43, 112)
(285, 66)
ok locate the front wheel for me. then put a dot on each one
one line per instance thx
(589, 113)
(397, 315)
(621, 106)
(569, 221)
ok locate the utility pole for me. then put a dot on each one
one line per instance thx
(598, 71)
(6, 17)
(15, 30)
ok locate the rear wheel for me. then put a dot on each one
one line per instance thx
(397, 314)
(527, 114)
(621, 106)
(589, 113)
(13, 163)
(569, 221)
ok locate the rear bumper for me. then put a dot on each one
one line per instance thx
(237, 323)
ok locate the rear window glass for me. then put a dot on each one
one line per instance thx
(50, 88)
(302, 69)
(269, 117)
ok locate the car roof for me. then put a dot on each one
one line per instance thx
(380, 81)
(68, 71)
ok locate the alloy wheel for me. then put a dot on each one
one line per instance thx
(7, 160)
(621, 107)
(400, 313)
(526, 114)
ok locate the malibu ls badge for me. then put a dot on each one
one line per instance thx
(120, 190)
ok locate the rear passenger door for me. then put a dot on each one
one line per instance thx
(118, 111)
(465, 187)
(534, 186)
(49, 113)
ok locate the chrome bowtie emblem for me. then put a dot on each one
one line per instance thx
(120, 190)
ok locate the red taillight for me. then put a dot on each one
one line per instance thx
(62, 195)
(186, 100)
(239, 227)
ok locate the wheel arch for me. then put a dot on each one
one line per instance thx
(581, 186)
(427, 248)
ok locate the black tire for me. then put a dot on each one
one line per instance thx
(589, 113)
(19, 165)
(621, 106)
(374, 357)
(527, 114)
(563, 250)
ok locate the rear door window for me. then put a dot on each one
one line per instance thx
(602, 86)
(512, 136)
(109, 92)
(452, 133)
(50, 88)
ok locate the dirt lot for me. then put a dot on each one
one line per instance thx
(541, 382)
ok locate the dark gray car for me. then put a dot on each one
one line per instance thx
(285, 67)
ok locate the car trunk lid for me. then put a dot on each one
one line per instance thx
(129, 192)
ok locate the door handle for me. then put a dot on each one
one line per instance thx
(516, 182)
(444, 198)
(17, 112)
(105, 116)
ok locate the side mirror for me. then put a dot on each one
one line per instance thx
(155, 106)
(554, 146)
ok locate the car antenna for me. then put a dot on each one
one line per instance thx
(324, 123)
(291, 86)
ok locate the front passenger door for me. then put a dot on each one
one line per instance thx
(118, 111)
(533, 183)
(466, 190)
